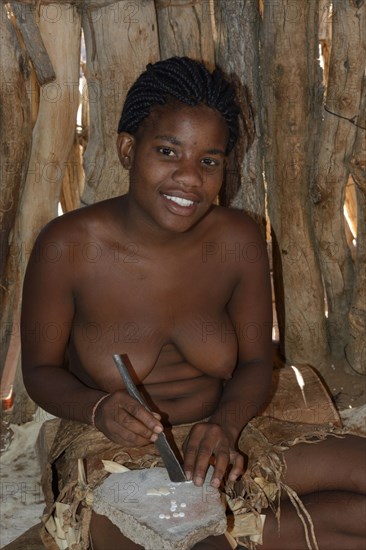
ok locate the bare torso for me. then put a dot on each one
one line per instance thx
(165, 308)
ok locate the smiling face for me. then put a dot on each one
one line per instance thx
(176, 162)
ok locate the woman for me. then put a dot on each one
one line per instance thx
(182, 287)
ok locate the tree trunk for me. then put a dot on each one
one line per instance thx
(119, 44)
(15, 143)
(356, 347)
(237, 51)
(336, 139)
(54, 130)
(185, 29)
(289, 115)
(52, 140)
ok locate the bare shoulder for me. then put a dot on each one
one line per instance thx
(233, 222)
(81, 226)
(69, 240)
(234, 235)
(81, 223)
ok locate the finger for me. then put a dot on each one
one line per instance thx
(198, 451)
(131, 427)
(237, 469)
(124, 401)
(222, 459)
(144, 416)
(132, 419)
(199, 461)
(122, 436)
(190, 453)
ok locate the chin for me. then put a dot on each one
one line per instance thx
(182, 228)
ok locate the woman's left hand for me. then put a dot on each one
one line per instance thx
(208, 444)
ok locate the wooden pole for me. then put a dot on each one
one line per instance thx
(53, 133)
(52, 139)
(356, 346)
(185, 29)
(119, 44)
(335, 140)
(289, 76)
(237, 51)
(15, 143)
(25, 17)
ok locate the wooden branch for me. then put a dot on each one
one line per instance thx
(15, 143)
(336, 141)
(185, 29)
(89, 4)
(290, 114)
(358, 160)
(239, 57)
(33, 43)
(162, 4)
(119, 45)
(356, 346)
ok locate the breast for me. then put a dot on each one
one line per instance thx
(168, 334)
(210, 346)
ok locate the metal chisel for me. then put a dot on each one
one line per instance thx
(171, 462)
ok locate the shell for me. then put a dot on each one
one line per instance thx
(113, 467)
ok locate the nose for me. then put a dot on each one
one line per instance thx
(188, 174)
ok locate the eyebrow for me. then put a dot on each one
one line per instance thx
(171, 139)
(174, 141)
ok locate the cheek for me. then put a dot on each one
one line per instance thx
(215, 181)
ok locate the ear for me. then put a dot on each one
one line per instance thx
(126, 149)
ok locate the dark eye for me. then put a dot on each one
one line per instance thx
(210, 163)
(167, 151)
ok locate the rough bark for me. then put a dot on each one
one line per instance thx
(289, 116)
(57, 110)
(80, 4)
(118, 47)
(237, 51)
(185, 28)
(25, 17)
(50, 147)
(15, 143)
(356, 347)
(336, 139)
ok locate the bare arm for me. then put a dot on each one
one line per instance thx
(250, 310)
(47, 316)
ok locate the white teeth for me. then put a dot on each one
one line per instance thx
(179, 200)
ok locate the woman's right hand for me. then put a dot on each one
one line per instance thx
(125, 421)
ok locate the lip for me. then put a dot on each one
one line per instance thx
(177, 208)
(181, 195)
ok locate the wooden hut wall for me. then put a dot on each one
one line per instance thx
(15, 136)
(307, 128)
(290, 116)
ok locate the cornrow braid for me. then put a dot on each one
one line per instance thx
(187, 81)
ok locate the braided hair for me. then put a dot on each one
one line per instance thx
(187, 81)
